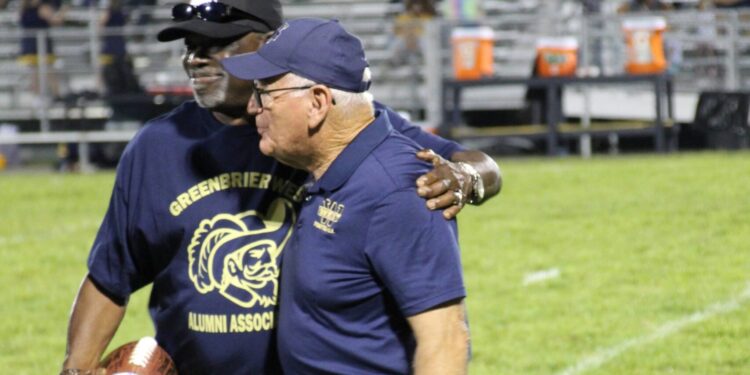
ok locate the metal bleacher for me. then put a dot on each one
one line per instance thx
(156, 63)
(517, 24)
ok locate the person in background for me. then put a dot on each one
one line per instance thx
(117, 66)
(39, 16)
(408, 29)
(407, 47)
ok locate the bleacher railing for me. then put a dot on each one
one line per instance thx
(708, 50)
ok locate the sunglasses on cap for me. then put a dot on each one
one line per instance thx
(212, 11)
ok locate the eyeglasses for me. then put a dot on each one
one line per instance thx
(260, 92)
(212, 11)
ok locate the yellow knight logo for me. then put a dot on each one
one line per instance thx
(236, 254)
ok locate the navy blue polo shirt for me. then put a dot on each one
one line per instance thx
(366, 255)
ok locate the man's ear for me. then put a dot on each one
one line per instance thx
(321, 104)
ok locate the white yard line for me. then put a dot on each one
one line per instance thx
(539, 276)
(50, 234)
(605, 355)
(12, 240)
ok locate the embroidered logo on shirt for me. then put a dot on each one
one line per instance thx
(329, 213)
(235, 255)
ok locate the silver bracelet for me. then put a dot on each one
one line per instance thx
(477, 185)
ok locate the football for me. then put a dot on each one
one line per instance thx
(142, 357)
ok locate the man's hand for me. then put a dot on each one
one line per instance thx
(445, 187)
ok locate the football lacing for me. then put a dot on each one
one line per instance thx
(143, 351)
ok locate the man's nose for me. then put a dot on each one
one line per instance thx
(195, 57)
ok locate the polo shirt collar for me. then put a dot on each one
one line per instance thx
(354, 154)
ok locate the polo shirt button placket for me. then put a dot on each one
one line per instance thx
(306, 199)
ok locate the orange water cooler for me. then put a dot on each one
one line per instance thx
(556, 56)
(645, 45)
(472, 52)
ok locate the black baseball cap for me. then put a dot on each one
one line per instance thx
(253, 15)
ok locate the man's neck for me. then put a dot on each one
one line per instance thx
(329, 154)
(334, 142)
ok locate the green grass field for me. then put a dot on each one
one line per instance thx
(627, 265)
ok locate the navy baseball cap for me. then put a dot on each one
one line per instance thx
(317, 49)
(238, 18)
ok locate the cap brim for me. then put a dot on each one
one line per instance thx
(208, 29)
(251, 66)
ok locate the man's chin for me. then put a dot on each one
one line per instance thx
(265, 149)
(207, 99)
(207, 104)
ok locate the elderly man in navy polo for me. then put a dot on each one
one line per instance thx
(371, 281)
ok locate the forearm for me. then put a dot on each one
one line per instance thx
(491, 177)
(442, 340)
(448, 360)
(93, 322)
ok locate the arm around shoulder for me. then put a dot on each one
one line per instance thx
(469, 177)
(484, 165)
(442, 337)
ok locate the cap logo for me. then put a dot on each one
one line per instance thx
(277, 33)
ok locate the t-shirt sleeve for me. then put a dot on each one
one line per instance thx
(114, 265)
(441, 146)
(415, 253)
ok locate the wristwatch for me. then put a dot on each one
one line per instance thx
(477, 185)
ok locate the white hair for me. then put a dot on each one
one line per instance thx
(345, 99)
